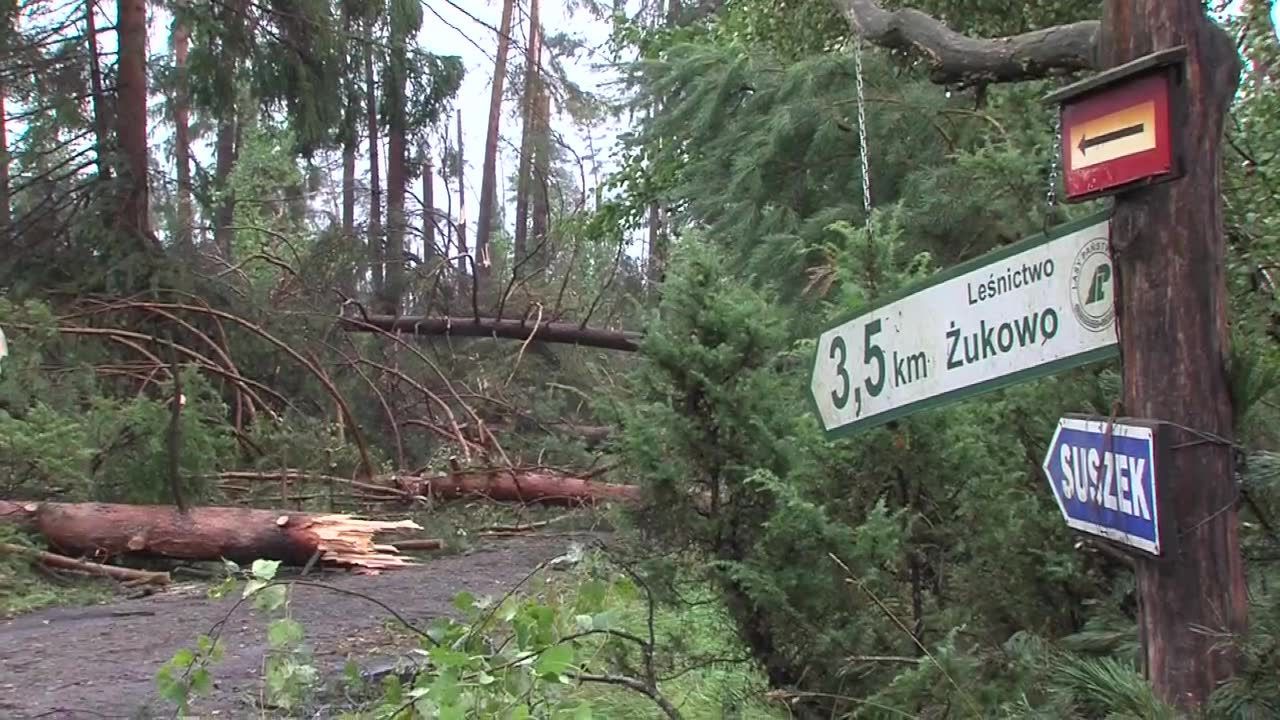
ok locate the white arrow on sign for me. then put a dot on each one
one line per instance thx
(1023, 311)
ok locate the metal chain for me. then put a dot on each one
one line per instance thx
(862, 128)
(1055, 155)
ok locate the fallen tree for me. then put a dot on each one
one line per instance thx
(522, 485)
(511, 329)
(543, 486)
(104, 530)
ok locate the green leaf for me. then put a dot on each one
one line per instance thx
(444, 658)
(174, 692)
(284, 632)
(252, 587)
(271, 598)
(464, 601)
(554, 661)
(201, 681)
(519, 712)
(183, 658)
(265, 569)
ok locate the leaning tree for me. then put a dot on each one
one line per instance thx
(1168, 247)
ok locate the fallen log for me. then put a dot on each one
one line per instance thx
(523, 486)
(511, 329)
(129, 576)
(102, 530)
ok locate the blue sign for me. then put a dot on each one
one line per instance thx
(1103, 476)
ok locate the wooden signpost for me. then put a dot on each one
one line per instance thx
(1154, 114)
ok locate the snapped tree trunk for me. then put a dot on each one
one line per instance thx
(104, 530)
(182, 136)
(489, 176)
(376, 257)
(1168, 245)
(462, 201)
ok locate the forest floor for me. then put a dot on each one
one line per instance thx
(101, 661)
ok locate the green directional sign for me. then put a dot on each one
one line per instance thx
(1026, 310)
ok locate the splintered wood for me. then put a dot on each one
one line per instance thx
(344, 540)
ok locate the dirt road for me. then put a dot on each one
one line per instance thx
(100, 662)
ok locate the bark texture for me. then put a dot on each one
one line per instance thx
(240, 534)
(957, 59)
(1168, 245)
(555, 332)
(131, 116)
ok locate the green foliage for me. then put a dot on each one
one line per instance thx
(66, 435)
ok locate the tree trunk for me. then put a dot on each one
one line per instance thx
(182, 136)
(103, 530)
(389, 300)
(131, 115)
(540, 223)
(376, 260)
(429, 250)
(6, 207)
(101, 122)
(532, 70)
(224, 234)
(553, 332)
(1168, 245)
(524, 486)
(489, 176)
(462, 200)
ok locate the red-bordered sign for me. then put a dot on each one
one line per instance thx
(1117, 135)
